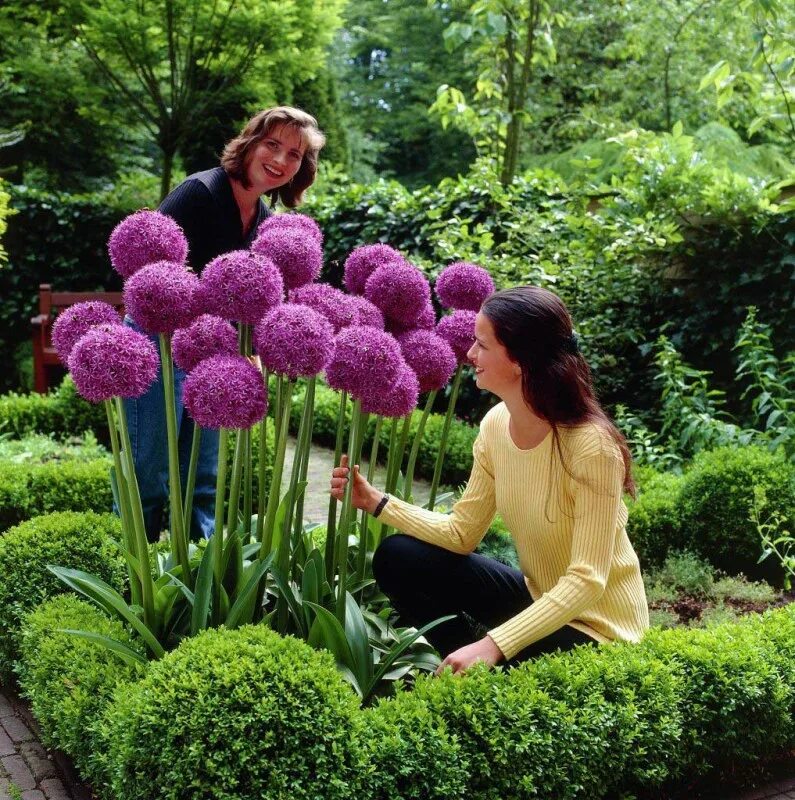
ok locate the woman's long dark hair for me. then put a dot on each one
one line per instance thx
(535, 328)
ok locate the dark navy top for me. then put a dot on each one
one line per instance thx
(206, 209)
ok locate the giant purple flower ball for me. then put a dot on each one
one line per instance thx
(398, 399)
(365, 361)
(364, 261)
(333, 304)
(144, 238)
(241, 286)
(431, 358)
(76, 320)
(206, 336)
(292, 221)
(294, 340)
(458, 330)
(225, 392)
(113, 361)
(463, 286)
(425, 320)
(297, 254)
(401, 291)
(161, 297)
(366, 313)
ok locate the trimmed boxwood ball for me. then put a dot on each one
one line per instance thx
(717, 498)
(69, 680)
(653, 524)
(235, 714)
(84, 541)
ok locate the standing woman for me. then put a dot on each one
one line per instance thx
(219, 210)
(549, 460)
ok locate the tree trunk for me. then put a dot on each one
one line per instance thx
(165, 178)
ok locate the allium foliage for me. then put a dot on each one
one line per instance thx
(240, 285)
(297, 254)
(401, 291)
(397, 399)
(206, 336)
(161, 297)
(458, 330)
(431, 358)
(113, 361)
(463, 286)
(336, 306)
(291, 221)
(144, 238)
(225, 392)
(294, 340)
(365, 361)
(365, 260)
(76, 320)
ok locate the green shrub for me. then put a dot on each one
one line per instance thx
(716, 501)
(235, 714)
(84, 541)
(69, 680)
(27, 490)
(409, 753)
(39, 448)
(653, 524)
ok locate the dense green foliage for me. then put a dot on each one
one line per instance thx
(83, 541)
(654, 524)
(69, 680)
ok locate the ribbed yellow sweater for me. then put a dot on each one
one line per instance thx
(567, 521)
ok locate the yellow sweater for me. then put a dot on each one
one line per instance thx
(568, 527)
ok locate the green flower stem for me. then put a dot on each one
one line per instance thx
(139, 529)
(415, 446)
(192, 468)
(262, 462)
(437, 469)
(401, 451)
(179, 542)
(247, 465)
(390, 467)
(220, 495)
(358, 420)
(364, 537)
(305, 447)
(234, 484)
(128, 534)
(331, 524)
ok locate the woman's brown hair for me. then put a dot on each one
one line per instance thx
(535, 328)
(235, 156)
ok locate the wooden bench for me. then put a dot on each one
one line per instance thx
(50, 303)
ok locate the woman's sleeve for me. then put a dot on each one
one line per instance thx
(597, 485)
(462, 529)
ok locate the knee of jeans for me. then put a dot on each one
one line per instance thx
(391, 559)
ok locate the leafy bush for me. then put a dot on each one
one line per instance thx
(234, 714)
(84, 541)
(69, 680)
(716, 503)
(40, 448)
(653, 524)
(27, 490)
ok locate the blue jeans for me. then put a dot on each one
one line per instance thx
(146, 419)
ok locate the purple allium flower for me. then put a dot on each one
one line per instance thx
(297, 254)
(401, 291)
(143, 238)
(365, 260)
(206, 336)
(294, 221)
(225, 392)
(398, 399)
(425, 321)
(365, 361)
(113, 361)
(332, 303)
(431, 358)
(463, 286)
(160, 297)
(366, 313)
(458, 330)
(76, 320)
(294, 340)
(240, 285)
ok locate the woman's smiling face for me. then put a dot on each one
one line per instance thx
(494, 369)
(276, 159)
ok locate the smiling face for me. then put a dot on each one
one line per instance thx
(276, 159)
(495, 371)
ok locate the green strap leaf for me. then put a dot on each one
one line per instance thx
(204, 587)
(236, 615)
(124, 652)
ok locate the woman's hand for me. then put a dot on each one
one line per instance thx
(364, 496)
(484, 650)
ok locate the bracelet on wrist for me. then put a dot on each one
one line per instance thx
(380, 507)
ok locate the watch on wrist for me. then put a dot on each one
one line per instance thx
(380, 507)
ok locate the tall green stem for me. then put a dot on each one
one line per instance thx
(331, 525)
(234, 485)
(390, 468)
(415, 446)
(247, 466)
(437, 469)
(192, 468)
(262, 462)
(220, 496)
(139, 529)
(179, 542)
(306, 445)
(364, 537)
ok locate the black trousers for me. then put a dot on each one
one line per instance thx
(425, 582)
